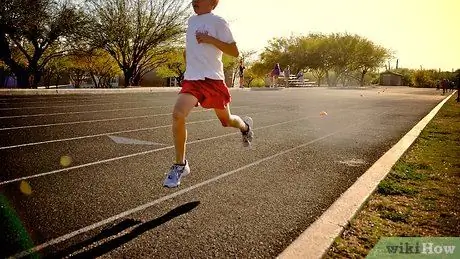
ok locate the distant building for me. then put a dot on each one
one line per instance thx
(390, 78)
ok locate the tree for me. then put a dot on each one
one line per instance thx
(342, 52)
(33, 32)
(54, 70)
(256, 71)
(95, 64)
(301, 53)
(229, 63)
(312, 53)
(101, 67)
(369, 56)
(5, 73)
(348, 57)
(278, 51)
(175, 65)
(77, 68)
(246, 56)
(423, 78)
(407, 76)
(136, 32)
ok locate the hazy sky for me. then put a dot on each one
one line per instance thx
(420, 32)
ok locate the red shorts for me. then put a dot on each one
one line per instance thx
(209, 92)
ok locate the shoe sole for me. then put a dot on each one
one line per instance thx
(250, 122)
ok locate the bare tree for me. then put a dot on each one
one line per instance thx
(32, 32)
(136, 32)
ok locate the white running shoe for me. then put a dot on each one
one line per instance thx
(175, 174)
(249, 134)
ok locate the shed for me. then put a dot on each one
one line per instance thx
(390, 78)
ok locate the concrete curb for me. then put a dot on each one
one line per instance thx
(266, 89)
(315, 241)
(63, 91)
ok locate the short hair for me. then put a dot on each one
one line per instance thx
(216, 2)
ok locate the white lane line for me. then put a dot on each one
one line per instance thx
(62, 100)
(96, 111)
(67, 106)
(99, 120)
(133, 141)
(98, 135)
(82, 112)
(113, 133)
(53, 97)
(44, 102)
(140, 153)
(165, 198)
(87, 121)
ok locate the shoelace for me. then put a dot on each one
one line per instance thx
(175, 172)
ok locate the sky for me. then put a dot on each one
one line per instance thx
(421, 33)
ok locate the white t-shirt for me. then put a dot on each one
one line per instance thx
(205, 60)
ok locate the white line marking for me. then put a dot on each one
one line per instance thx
(132, 141)
(98, 135)
(164, 198)
(81, 122)
(45, 98)
(67, 106)
(139, 154)
(112, 133)
(99, 120)
(82, 112)
(62, 100)
(89, 121)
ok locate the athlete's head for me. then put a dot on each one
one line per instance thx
(204, 6)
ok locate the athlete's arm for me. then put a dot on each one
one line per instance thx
(227, 48)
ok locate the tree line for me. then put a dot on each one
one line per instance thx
(329, 58)
(40, 40)
(98, 37)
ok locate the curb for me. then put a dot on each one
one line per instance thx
(63, 91)
(266, 88)
(315, 241)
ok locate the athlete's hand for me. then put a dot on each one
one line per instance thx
(227, 48)
(204, 38)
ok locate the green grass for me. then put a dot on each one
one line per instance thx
(410, 171)
(395, 215)
(390, 187)
(419, 197)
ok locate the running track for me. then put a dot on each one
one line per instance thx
(81, 175)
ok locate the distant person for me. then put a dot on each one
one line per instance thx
(444, 85)
(458, 85)
(287, 74)
(300, 77)
(208, 37)
(241, 69)
(268, 80)
(275, 74)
